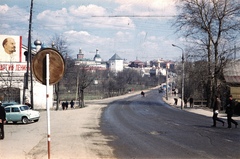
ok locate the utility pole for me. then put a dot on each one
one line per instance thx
(29, 56)
(183, 74)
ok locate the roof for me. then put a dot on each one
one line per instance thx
(137, 61)
(232, 72)
(97, 56)
(115, 57)
(232, 79)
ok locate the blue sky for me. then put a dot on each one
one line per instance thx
(134, 29)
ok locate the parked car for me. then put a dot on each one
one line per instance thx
(4, 104)
(23, 113)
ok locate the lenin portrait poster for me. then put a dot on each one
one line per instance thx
(10, 48)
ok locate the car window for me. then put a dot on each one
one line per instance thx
(15, 109)
(9, 103)
(24, 108)
(7, 110)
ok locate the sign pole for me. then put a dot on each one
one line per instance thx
(48, 74)
(47, 103)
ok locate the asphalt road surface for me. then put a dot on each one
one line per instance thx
(145, 127)
(123, 127)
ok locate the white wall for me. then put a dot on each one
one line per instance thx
(116, 65)
(39, 96)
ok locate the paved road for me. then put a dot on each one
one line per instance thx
(74, 134)
(146, 127)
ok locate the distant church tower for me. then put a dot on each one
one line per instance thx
(116, 63)
(80, 55)
(97, 58)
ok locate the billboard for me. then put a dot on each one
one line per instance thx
(10, 48)
(13, 67)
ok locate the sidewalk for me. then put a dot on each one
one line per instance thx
(202, 110)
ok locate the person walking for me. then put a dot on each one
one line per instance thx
(66, 105)
(143, 94)
(191, 102)
(63, 105)
(216, 109)
(72, 104)
(230, 112)
(2, 120)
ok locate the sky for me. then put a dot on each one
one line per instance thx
(133, 29)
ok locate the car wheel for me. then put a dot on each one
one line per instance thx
(36, 120)
(24, 120)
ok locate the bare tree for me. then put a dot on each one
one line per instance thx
(59, 43)
(8, 85)
(85, 77)
(215, 24)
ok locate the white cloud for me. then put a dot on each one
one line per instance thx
(147, 7)
(54, 19)
(90, 10)
(123, 36)
(3, 9)
(14, 20)
(13, 14)
(83, 16)
(110, 22)
(86, 41)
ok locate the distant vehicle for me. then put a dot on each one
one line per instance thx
(160, 90)
(22, 113)
(4, 104)
(163, 86)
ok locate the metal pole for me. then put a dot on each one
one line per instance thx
(31, 79)
(166, 82)
(47, 102)
(29, 52)
(183, 72)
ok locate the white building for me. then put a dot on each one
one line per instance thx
(116, 63)
(95, 63)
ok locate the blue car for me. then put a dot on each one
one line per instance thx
(22, 113)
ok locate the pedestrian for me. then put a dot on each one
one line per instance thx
(230, 112)
(72, 104)
(143, 94)
(175, 101)
(29, 105)
(66, 105)
(185, 102)
(191, 102)
(216, 109)
(63, 106)
(2, 120)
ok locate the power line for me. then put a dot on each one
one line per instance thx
(135, 16)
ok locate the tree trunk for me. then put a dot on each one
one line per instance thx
(82, 98)
(57, 95)
(209, 80)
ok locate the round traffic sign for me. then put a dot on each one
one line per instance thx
(56, 66)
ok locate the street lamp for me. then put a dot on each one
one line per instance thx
(167, 67)
(182, 74)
